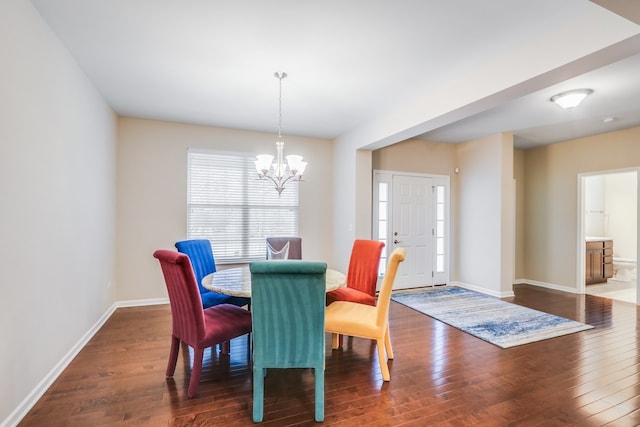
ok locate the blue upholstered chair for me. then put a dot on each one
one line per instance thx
(288, 302)
(200, 253)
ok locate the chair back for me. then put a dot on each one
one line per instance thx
(184, 297)
(200, 253)
(363, 265)
(384, 297)
(288, 302)
(295, 246)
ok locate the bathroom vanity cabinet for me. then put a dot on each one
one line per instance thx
(599, 260)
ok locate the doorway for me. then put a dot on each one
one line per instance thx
(608, 206)
(412, 211)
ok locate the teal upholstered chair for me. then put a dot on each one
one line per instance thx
(288, 302)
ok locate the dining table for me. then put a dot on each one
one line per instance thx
(236, 281)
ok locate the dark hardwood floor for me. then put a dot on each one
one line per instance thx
(440, 376)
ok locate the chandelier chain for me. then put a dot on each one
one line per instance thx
(280, 75)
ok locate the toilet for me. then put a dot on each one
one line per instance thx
(624, 269)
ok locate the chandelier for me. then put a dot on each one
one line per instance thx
(280, 172)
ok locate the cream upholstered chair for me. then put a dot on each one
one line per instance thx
(365, 321)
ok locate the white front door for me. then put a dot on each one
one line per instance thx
(412, 228)
(412, 211)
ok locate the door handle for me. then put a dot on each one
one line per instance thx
(395, 242)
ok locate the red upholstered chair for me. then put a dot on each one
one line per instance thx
(197, 327)
(362, 275)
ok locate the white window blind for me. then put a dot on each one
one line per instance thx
(236, 211)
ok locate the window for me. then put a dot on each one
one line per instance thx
(440, 228)
(236, 211)
(383, 223)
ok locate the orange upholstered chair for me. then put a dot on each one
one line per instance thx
(365, 321)
(362, 275)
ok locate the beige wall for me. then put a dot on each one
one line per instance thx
(417, 156)
(522, 72)
(349, 210)
(507, 216)
(519, 174)
(621, 206)
(152, 193)
(424, 157)
(57, 185)
(64, 218)
(363, 182)
(551, 199)
(545, 205)
(481, 203)
(484, 246)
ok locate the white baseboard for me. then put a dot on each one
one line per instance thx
(516, 282)
(549, 286)
(142, 302)
(32, 398)
(483, 290)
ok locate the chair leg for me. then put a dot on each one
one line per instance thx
(387, 343)
(173, 356)
(194, 382)
(249, 352)
(319, 394)
(258, 394)
(335, 341)
(382, 358)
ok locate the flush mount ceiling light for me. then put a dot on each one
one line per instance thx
(571, 98)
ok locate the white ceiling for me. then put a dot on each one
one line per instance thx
(353, 63)
(534, 120)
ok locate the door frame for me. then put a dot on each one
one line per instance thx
(581, 246)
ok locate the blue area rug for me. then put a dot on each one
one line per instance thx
(488, 318)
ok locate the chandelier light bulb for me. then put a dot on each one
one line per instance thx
(263, 163)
